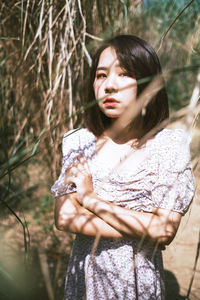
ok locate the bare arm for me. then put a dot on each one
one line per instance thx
(112, 221)
(160, 226)
(71, 216)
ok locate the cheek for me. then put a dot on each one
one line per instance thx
(133, 88)
(128, 84)
(97, 86)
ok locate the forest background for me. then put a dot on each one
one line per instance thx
(45, 48)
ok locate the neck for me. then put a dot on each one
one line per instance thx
(122, 133)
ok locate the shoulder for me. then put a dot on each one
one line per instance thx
(173, 134)
(78, 132)
(172, 138)
(76, 138)
(173, 147)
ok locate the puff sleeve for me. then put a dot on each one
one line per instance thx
(70, 150)
(174, 188)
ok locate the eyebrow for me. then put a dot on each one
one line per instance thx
(102, 68)
(107, 68)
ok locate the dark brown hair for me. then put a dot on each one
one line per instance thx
(140, 60)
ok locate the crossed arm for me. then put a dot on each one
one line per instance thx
(95, 216)
(84, 212)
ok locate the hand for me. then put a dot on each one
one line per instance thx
(79, 174)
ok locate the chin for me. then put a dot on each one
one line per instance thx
(111, 115)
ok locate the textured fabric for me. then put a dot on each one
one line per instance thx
(126, 269)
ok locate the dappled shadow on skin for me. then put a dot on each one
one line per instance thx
(172, 287)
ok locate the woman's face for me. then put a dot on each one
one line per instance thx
(114, 89)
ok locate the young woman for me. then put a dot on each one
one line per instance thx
(123, 199)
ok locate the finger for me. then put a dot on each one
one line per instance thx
(76, 164)
(71, 172)
(80, 158)
(70, 179)
(76, 161)
(82, 166)
(79, 166)
(84, 163)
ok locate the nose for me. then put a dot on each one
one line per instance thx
(110, 85)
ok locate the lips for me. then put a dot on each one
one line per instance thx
(111, 102)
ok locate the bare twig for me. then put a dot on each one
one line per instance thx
(50, 44)
(25, 20)
(70, 97)
(94, 37)
(41, 24)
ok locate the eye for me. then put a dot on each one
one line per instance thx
(124, 74)
(100, 75)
